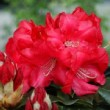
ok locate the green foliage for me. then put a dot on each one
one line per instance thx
(98, 101)
(29, 9)
(88, 5)
(105, 43)
(105, 91)
(36, 9)
(105, 94)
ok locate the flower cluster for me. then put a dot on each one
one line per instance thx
(66, 51)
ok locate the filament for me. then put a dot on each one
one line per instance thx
(82, 73)
(71, 44)
(48, 67)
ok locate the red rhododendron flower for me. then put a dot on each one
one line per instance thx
(64, 53)
(75, 39)
(67, 51)
(69, 29)
(29, 50)
(27, 44)
(88, 73)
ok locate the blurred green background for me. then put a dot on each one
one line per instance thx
(37, 9)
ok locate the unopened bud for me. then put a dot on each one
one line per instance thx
(13, 99)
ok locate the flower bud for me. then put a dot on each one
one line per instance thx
(13, 99)
(40, 100)
(10, 86)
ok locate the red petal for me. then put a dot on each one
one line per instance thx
(49, 20)
(80, 13)
(102, 59)
(18, 79)
(28, 105)
(7, 70)
(54, 106)
(59, 74)
(81, 87)
(67, 24)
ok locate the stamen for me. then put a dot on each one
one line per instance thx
(82, 73)
(48, 67)
(71, 44)
(80, 76)
(68, 43)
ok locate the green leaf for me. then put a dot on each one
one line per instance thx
(88, 99)
(105, 94)
(85, 102)
(107, 84)
(63, 100)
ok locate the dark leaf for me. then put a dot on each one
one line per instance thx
(107, 84)
(63, 100)
(105, 94)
